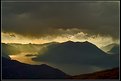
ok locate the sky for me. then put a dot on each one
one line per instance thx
(43, 22)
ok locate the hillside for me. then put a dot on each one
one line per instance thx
(106, 74)
(12, 69)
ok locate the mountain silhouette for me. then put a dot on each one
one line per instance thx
(109, 47)
(12, 69)
(114, 50)
(9, 49)
(5, 55)
(66, 53)
(80, 57)
(83, 57)
(15, 48)
(105, 74)
(75, 52)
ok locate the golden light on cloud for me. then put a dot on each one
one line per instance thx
(8, 38)
(77, 37)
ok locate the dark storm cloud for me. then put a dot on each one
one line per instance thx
(39, 18)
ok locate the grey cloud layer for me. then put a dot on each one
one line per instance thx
(38, 19)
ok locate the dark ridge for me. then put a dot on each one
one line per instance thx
(12, 69)
(105, 74)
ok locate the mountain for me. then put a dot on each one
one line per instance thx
(70, 57)
(81, 57)
(14, 48)
(106, 74)
(75, 52)
(5, 55)
(107, 48)
(9, 49)
(12, 69)
(50, 43)
(114, 50)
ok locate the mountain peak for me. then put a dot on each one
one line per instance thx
(69, 41)
(76, 42)
(86, 42)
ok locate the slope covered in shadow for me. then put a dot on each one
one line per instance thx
(76, 57)
(106, 74)
(111, 48)
(80, 57)
(80, 53)
(17, 48)
(108, 47)
(12, 69)
(114, 50)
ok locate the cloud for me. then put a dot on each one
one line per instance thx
(45, 18)
(64, 35)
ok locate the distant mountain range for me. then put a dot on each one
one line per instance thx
(77, 53)
(111, 48)
(16, 48)
(114, 50)
(80, 57)
(12, 48)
